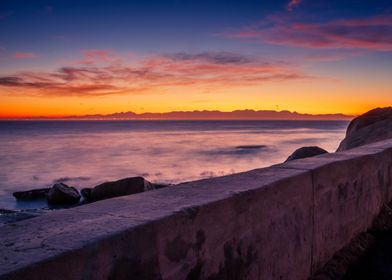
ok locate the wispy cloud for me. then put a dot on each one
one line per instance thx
(212, 57)
(109, 76)
(374, 33)
(22, 55)
(333, 55)
(94, 56)
(292, 4)
(60, 37)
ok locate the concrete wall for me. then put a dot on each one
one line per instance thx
(281, 222)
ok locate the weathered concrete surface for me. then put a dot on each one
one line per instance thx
(349, 190)
(218, 228)
(282, 222)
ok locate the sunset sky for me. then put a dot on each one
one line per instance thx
(79, 57)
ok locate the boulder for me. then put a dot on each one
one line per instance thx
(121, 187)
(306, 152)
(61, 194)
(86, 193)
(373, 126)
(160, 186)
(11, 216)
(31, 194)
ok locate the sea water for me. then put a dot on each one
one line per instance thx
(36, 154)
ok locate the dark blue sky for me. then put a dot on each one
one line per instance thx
(152, 25)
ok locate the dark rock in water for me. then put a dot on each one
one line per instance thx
(373, 126)
(31, 194)
(306, 152)
(251, 147)
(6, 211)
(160, 186)
(86, 193)
(61, 194)
(121, 187)
(11, 216)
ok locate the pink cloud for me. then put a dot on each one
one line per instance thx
(207, 69)
(334, 55)
(94, 56)
(22, 55)
(368, 33)
(292, 4)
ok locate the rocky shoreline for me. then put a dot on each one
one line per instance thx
(61, 196)
(373, 126)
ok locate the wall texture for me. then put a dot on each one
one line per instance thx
(280, 222)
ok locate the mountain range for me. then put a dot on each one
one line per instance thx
(211, 115)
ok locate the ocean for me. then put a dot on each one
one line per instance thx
(36, 154)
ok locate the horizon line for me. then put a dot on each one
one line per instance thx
(245, 114)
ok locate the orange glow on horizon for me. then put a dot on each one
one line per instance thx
(101, 84)
(268, 97)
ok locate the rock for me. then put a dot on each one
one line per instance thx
(86, 193)
(251, 147)
(11, 216)
(121, 187)
(373, 126)
(60, 193)
(31, 194)
(160, 186)
(306, 152)
(6, 211)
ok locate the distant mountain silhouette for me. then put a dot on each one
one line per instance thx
(216, 115)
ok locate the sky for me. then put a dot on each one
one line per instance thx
(82, 57)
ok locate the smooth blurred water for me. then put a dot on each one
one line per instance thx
(35, 154)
